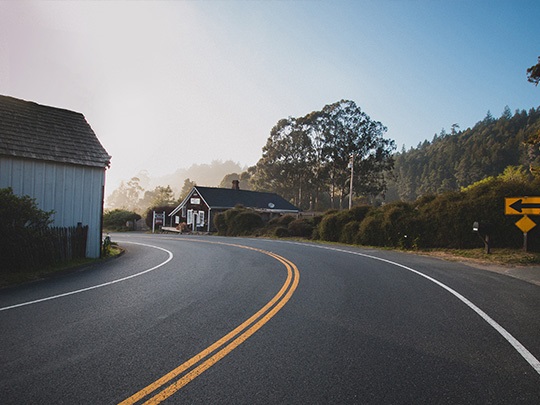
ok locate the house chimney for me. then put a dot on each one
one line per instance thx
(235, 185)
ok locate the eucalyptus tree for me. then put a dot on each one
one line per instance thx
(349, 132)
(285, 166)
(314, 125)
(306, 157)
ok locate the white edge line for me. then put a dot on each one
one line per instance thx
(522, 350)
(99, 285)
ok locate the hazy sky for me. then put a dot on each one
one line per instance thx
(168, 84)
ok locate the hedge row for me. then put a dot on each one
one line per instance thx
(442, 221)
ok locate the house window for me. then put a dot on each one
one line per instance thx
(184, 211)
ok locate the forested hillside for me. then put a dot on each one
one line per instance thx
(459, 158)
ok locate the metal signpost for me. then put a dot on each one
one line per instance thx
(523, 206)
(158, 219)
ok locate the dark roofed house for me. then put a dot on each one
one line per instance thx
(203, 203)
(54, 156)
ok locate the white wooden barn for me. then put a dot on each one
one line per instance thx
(54, 156)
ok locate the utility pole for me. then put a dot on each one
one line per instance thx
(351, 166)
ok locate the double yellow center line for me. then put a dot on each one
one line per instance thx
(174, 380)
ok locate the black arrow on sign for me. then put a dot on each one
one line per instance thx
(519, 205)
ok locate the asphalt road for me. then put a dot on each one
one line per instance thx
(209, 320)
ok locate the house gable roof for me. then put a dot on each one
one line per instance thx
(226, 198)
(34, 131)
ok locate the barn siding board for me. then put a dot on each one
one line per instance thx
(74, 194)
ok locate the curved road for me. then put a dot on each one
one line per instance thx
(209, 320)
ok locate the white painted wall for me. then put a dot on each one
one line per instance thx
(73, 192)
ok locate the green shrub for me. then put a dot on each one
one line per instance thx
(332, 224)
(116, 220)
(283, 220)
(301, 228)
(281, 232)
(238, 221)
(398, 224)
(359, 212)
(23, 227)
(246, 222)
(21, 212)
(350, 230)
(369, 231)
(316, 220)
(220, 222)
(329, 229)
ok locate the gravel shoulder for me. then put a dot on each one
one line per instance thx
(530, 273)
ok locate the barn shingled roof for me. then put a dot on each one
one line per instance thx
(34, 131)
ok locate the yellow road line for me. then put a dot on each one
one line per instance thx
(271, 308)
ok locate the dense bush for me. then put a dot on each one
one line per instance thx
(349, 232)
(245, 223)
(283, 220)
(400, 224)
(159, 209)
(238, 221)
(281, 232)
(332, 224)
(301, 228)
(22, 225)
(220, 223)
(116, 220)
(21, 212)
(329, 228)
(370, 230)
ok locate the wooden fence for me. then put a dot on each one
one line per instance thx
(39, 249)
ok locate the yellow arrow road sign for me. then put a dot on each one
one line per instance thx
(522, 206)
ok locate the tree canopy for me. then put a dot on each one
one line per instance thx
(306, 159)
(533, 73)
(131, 196)
(456, 160)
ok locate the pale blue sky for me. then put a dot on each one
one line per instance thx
(169, 84)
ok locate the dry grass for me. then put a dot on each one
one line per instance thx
(506, 257)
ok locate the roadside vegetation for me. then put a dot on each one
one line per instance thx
(504, 256)
(30, 249)
(441, 222)
(119, 220)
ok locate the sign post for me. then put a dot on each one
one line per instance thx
(523, 206)
(157, 219)
(525, 224)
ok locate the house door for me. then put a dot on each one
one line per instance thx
(195, 219)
